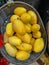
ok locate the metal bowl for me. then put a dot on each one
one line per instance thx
(5, 12)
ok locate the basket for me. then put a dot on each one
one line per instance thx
(5, 12)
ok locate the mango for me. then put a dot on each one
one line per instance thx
(28, 28)
(38, 45)
(13, 40)
(22, 55)
(19, 27)
(5, 38)
(26, 38)
(10, 50)
(14, 17)
(32, 41)
(35, 27)
(37, 34)
(19, 11)
(24, 47)
(9, 29)
(33, 17)
(26, 18)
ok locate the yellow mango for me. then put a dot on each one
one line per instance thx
(19, 11)
(5, 38)
(13, 40)
(35, 27)
(14, 17)
(10, 50)
(22, 55)
(37, 34)
(32, 41)
(19, 27)
(33, 17)
(26, 38)
(28, 28)
(26, 18)
(24, 47)
(38, 45)
(9, 29)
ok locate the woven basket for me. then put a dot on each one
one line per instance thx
(5, 12)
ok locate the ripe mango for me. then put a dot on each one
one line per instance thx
(33, 17)
(26, 38)
(32, 41)
(5, 38)
(26, 18)
(22, 55)
(19, 11)
(19, 27)
(28, 28)
(9, 29)
(35, 27)
(38, 45)
(37, 34)
(10, 50)
(24, 47)
(14, 17)
(13, 40)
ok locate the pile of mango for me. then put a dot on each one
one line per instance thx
(23, 35)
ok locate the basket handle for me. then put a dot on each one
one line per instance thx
(10, 1)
